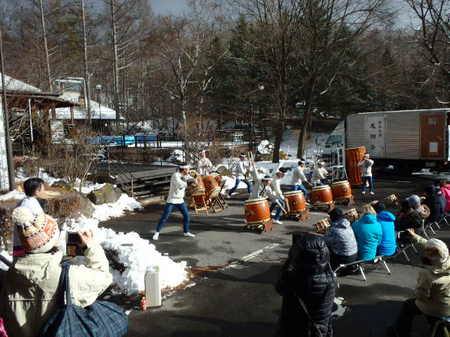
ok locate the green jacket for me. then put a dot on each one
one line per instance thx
(28, 296)
(433, 287)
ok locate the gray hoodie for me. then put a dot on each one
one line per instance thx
(340, 238)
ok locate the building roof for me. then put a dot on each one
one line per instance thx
(16, 85)
(98, 111)
(41, 100)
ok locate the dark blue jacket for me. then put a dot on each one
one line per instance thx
(388, 244)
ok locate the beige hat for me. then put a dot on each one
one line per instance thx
(38, 233)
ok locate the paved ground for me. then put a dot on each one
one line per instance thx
(240, 300)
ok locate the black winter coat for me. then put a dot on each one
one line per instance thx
(410, 220)
(433, 201)
(307, 275)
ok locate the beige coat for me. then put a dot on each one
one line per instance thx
(433, 287)
(28, 298)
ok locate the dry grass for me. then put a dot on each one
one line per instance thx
(6, 208)
(66, 205)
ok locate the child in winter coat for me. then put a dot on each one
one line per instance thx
(445, 190)
(307, 284)
(340, 240)
(388, 245)
(433, 287)
(368, 233)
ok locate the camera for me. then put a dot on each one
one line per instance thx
(74, 243)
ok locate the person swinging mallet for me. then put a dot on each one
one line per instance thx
(177, 190)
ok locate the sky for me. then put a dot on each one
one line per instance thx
(168, 6)
(165, 7)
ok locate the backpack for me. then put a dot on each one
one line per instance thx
(101, 319)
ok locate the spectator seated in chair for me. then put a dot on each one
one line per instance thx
(445, 190)
(340, 240)
(434, 203)
(368, 233)
(408, 218)
(432, 290)
(388, 245)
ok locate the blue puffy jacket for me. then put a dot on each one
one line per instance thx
(368, 236)
(388, 245)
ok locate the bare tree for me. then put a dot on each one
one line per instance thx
(304, 39)
(328, 29)
(183, 52)
(434, 37)
(44, 38)
(85, 62)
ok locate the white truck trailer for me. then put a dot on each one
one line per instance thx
(407, 139)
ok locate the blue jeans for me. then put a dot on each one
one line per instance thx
(300, 188)
(168, 209)
(364, 181)
(279, 211)
(248, 183)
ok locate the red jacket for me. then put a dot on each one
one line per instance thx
(446, 193)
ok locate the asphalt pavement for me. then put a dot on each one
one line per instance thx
(239, 298)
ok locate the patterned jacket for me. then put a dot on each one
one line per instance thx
(340, 238)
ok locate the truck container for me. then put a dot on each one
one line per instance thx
(407, 139)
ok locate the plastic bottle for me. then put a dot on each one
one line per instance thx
(152, 287)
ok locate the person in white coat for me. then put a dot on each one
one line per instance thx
(263, 189)
(278, 197)
(365, 166)
(299, 178)
(177, 190)
(257, 175)
(320, 174)
(241, 170)
(204, 165)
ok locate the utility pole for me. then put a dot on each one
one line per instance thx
(115, 58)
(85, 60)
(9, 153)
(44, 36)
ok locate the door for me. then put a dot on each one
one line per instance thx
(432, 135)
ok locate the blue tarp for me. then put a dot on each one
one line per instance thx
(120, 140)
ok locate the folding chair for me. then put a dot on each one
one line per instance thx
(443, 323)
(403, 250)
(443, 220)
(360, 265)
(357, 264)
(429, 228)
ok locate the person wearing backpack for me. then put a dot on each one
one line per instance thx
(308, 287)
(29, 296)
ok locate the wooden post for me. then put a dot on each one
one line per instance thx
(9, 152)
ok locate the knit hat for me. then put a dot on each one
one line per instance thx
(184, 167)
(267, 178)
(38, 233)
(414, 201)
